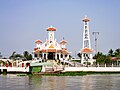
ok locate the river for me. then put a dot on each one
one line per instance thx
(87, 82)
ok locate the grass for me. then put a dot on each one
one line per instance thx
(81, 73)
(68, 74)
(24, 75)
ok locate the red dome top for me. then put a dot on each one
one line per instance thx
(85, 19)
(63, 42)
(87, 50)
(51, 29)
(37, 50)
(38, 41)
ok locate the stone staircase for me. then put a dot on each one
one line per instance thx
(55, 68)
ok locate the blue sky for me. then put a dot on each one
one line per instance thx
(24, 21)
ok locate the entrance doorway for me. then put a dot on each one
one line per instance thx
(51, 55)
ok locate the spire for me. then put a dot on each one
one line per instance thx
(63, 41)
(63, 38)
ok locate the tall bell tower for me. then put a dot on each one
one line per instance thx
(86, 48)
(51, 31)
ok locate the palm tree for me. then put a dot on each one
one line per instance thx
(111, 53)
(27, 56)
(79, 55)
(117, 53)
(13, 55)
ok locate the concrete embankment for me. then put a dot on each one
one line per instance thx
(92, 69)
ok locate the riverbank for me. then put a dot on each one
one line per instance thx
(80, 73)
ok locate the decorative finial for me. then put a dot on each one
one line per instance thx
(51, 26)
(85, 16)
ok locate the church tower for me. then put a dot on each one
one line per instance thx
(86, 48)
(51, 31)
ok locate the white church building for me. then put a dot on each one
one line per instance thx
(51, 49)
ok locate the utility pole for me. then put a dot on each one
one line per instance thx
(0, 55)
(95, 33)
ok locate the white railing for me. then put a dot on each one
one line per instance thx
(15, 69)
(93, 69)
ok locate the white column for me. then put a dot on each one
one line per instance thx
(82, 60)
(63, 56)
(33, 55)
(67, 56)
(55, 55)
(59, 56)
(37, 55)
(46, 55)
(42, 55)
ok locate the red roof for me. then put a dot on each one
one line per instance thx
(51, 50)
(37, 50)
(64, 51)
(44, 50)
(63, 42)
(59, 50)
(38, 41)
(87, 50)
(115, 58)
(51, 29)
(85, 19)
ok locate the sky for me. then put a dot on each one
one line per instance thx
(24, 21)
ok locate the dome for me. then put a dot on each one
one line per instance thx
(85, 19)
(87, 50)
(51, 28)
(38, 41)
(63, 42)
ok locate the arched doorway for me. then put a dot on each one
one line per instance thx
(51, 55)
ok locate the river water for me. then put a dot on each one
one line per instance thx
(87, 82)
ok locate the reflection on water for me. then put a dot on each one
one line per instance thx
(88, 82)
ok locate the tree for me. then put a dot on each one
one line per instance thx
(16, 56)
(30, 57)
(102, 59)
(27, 56)
(79, 55)
(111, 53)
(97, 55)
(13, 55)
(117, 53)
